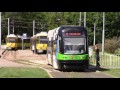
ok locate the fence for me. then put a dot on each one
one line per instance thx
(109, 60)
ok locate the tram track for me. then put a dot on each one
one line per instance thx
(25, 58)
(10, 54)
(88, 73)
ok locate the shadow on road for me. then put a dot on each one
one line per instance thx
(94, 68)
(90, 69)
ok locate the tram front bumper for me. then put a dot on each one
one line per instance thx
(74, 64)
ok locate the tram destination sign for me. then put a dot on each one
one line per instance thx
(72, 34)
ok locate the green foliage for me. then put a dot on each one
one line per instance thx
(48, 20)
(117, 51)
(114, 72)
(111, 45)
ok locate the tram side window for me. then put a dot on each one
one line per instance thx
(49, 47)
(6, 40)
(27, 40)
(19, 40)
(49, 43)
(37, 40)
(54, 46)
(60, 45)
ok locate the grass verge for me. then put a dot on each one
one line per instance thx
(114, 72)
(23, 72)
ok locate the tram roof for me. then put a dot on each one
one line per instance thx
(11, 35)
(42, 34)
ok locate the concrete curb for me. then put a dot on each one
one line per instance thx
(33, 64)
(47, 72)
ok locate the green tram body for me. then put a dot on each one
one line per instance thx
(72, 36)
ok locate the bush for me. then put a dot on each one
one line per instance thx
(117, 51)
(111, 45)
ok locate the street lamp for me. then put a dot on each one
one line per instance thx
(80, 19)
(8, 26)
(84, 19)
(14, 15)
(103, 33)
(94, 32)
(33, 27)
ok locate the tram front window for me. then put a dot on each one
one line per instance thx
(12, 40)
(43, 37)
(74, 45)
(43, 40)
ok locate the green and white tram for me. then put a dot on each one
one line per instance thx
(68, 47)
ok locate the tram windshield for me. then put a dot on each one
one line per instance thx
(12, 40)
(43, 37)
(74, 45)
(43, 40)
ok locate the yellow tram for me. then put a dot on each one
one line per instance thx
(39, 42)
(11, 41)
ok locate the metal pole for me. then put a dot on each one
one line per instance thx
(80, 20)
(0, 30)
(8, 26)
(94, 32)
(33, 27)
(22, 43)
(13, 26)
(103, 33)
(84, 19)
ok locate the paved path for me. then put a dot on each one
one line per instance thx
(40, 60)
(9, 63)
